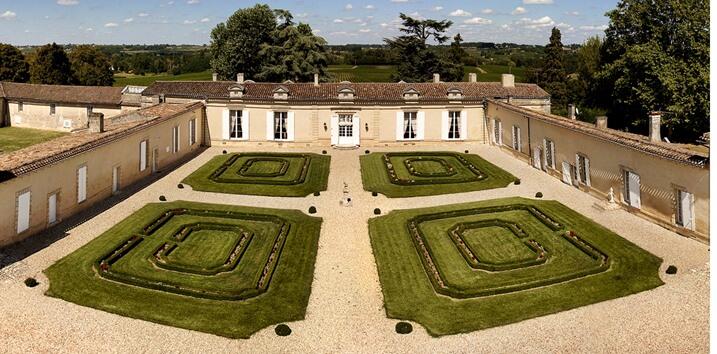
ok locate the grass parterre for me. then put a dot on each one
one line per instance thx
(410, 174)
(269, 174)
(220, 269)
(464, 267)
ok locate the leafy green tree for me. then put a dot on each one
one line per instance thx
(235, 44)
(552, 76)
(50, 65)
(417, 63)
(656, 57)
(90, 66)
(296, 54)
(453, 65)
(13, 66)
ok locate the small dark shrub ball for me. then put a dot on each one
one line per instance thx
(375, 194)
(162, 198)
(377, 211)
(404, 328)
(466, 151)
(282, 330)
(539, 195)
(367, 152)
(224, 152)
(316, 194)
(31, 282)
(517, 181)
(312, 210)
(671, 270)
(323, 152)
(180, 186)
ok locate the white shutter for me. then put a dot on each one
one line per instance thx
(399, 125)
(23, 212)
(520, 141)
(500, 133)
(688, 210)
(290, 126)
(179, 138)
(587, 170)
(545, 154)
(577, 168)
(464, 125)
(334, 129)
(270, 125)
(634, 189)
(245, 124)
(552, 157)
(445, 125)
(357, 130)
(421, 125)
(225, 124)
(52, 208)
(143, 155)
(515, 139)
(81, 184)
(566, 173)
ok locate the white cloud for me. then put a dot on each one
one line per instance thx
(486, 11)
(206, 19)
(189, 22)
(111, 24)
(544, 21)
(370, 7)
(316, 31)
(574, 13)
(438, 8)
(338, 20)
(505, 27)
(594, 28)
(537, 2)
(170, 2)
(67, 2)
(478, 21)
(460, 13)
(8, 15)
(384, 25)
(365, 30)
(128, 20)
(399, 0)
(192, 2)
(518, 11)
(142, 14)
(302, 15)
(348, 7)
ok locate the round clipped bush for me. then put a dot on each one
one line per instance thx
(539, 195)
(162, 198)
(282, 330)
(466, 151)
(31, 282)
(323, 152)
(312, 210)
(404, 328)
(224, 152)
(180, 186)
(377, 211)
(316, 194)
(517, 181)
(671, 270)
(367, 152)
(375, 194)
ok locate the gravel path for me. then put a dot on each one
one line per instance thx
(345, 312)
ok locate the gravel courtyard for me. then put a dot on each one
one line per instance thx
(345, 312)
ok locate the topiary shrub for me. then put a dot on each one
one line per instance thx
(377, 211)
(671, 270)
(180, 186)
(404, 328)
(31, 282)
(539, 195)
(375, 194)
(312, 210)
(517, 181)
(316, 194)
(466, 151)
(224, 152)
(162, 198)
(282, 330)
(323, 152)
(367, 152)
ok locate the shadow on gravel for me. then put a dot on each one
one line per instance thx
(20, 250)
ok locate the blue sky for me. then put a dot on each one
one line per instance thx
(339, 21)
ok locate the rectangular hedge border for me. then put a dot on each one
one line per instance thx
(393, 177)
(215, 176)
(244, 170)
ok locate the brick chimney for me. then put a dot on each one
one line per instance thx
(96, 122)
(472, 77)
(655, 120)
(316, 79)
(601, 122)
(240, 78)
(571, 111)
(215, 76)
(436, 78)
(507, 80)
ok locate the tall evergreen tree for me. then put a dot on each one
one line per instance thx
(552, 75)
(453, 70)
(51, 66)
(13, 66)
(90, 66)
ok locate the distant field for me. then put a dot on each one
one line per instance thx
(358, 73)
(13, 138)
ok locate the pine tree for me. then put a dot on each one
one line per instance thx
(552, 75)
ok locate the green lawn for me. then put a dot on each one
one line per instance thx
(220, 269)
(411, 174)
(123, 79)
(270, 174)
(555, 260)
(13, 138)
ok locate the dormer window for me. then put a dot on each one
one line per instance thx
(281, 93)
(236, 91)
(346, 93)
(454, 93)
(411, 94)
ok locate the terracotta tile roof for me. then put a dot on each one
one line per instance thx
(84, 95)
(328, 92)
(34, 157)
(635, 141)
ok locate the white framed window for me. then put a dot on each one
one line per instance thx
(81, 184)
(346, 125)
(631, 194)
(409, 127)
(52, 108)
(236, 129)
(52, 201)
(684, 215)
(549, 147)
(142, 155)
(582, 165)
(498, 132)
(281, 125)
(23, 211)
(20, 106)
(454, 125)
(517, 143)
(175, 139)
(89, 111)
(192, 131)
